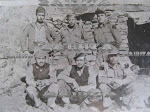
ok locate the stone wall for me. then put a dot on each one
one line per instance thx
(14, 19)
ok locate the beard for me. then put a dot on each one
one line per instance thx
(40, 21)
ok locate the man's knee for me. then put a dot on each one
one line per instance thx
(104, 89)
(61, 83)
(94, 91)
(94, 95)
(64, 89)
(30, 90)
(128, 90)
(53, 88)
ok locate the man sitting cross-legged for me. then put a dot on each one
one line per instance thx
(41, 81)
(76, 81)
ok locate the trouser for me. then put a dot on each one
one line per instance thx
(77, 97)
(123, 93)
(48, 94)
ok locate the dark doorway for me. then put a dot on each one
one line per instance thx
(139, 41)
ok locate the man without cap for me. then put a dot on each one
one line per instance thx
(41, 80)
(72, 35)
(106, 33)
(38, 35)
(77, 78)
(117, 79)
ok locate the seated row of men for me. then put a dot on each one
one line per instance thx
(80, 83)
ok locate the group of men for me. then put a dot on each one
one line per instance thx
(78, 83)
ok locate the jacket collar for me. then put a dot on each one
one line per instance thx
(100, 25)
(34, 24)
(75, 26)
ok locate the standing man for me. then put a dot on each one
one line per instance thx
(38, 35)
(116, 79)
(72, 35)
(41, 80)
(106, 35)
(77, 78)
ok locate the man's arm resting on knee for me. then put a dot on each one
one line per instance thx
(30, 78)
(103, 79)
(65, 75)
(130, 78)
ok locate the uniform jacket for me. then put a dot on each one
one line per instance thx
(107, 33)
(116, 72)
(73, 37)
(27, 42)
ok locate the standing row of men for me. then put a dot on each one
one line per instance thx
(38, 35)
(78, 81)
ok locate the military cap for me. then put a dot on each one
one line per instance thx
(113, 51)
(79, 55)
(40, 9)
(40, 53)
(98, 11)
(70, 15)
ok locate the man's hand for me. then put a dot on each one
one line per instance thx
(75, 84)
(119, 81)
(40, 84)
(114, 85)
(47, 82)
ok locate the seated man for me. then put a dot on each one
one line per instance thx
(77, 79)
(41, 80)
(116, 79)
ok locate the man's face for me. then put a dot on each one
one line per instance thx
(40, 17)
(101, 18)
(80, 61)
(113, 59)
(71, 21)
(40, 61)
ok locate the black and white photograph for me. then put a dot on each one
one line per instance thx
(75, 56)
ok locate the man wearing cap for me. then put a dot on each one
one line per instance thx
(116, 79)
(77, 78)
(71, 35)
(41, 80)
(106, 33)
(38, 35)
